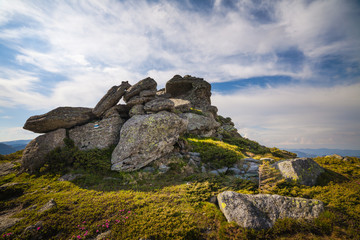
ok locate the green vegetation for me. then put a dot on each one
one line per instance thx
(216, 153)
(269, 178)
(171, 205)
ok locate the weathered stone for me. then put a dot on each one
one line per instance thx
(6, 168)
(137, 110)
(35, 152)
(181, 104)
(7, 221)
(148, 93)
(69, 177)
(204, 126)
(145, 84)
(196, 90)
(159, 104)
(137, 100)
(61, 117)
(121, 109)
(48, 206)
(145, 138)
(111, 98)
(101, 134)
(303, 170)
(262, 210)
(219, 171)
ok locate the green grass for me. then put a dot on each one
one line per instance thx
(172, 205)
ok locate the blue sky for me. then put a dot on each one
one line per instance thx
(286, 72)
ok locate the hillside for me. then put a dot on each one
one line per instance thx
(165, 165)
(177, 204)
(6, 149)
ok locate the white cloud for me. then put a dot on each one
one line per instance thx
(296, 116)
(86, 39)
(16, 133)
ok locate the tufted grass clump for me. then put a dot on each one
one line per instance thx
(216, 153)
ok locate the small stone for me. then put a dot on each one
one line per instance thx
(164, 168)
(70, 177)
(235, 171)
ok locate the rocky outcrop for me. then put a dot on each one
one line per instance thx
(303, 170)
(145, 84)
(144, 138)
(111, 98)
(262, 210)
(202, 125)
(100, 134)
(61, 117)
(159, 104)
(34, 154)
(196, 90)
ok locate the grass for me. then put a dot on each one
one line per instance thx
(172, 205)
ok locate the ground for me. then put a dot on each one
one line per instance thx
(178, 204)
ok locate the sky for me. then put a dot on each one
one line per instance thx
(286, 71)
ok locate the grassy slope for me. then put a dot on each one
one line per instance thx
(173, 205)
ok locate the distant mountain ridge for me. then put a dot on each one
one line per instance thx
(307, 152)
(12, 146)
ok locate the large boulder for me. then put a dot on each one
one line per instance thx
(34, 154)
(303, 170)
(262, 210)
(61, 117)
(158, 105)
(145, 138)
(196, 90)
(101, 134)
(111, 98)
(145, 84)
(203, 125)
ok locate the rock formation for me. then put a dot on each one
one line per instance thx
(262, 210)
(303, 170)
(144, 129)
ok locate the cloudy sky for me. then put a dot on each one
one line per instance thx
(287, 72)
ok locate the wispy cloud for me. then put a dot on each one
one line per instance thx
(96, 44)
(296, 116)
